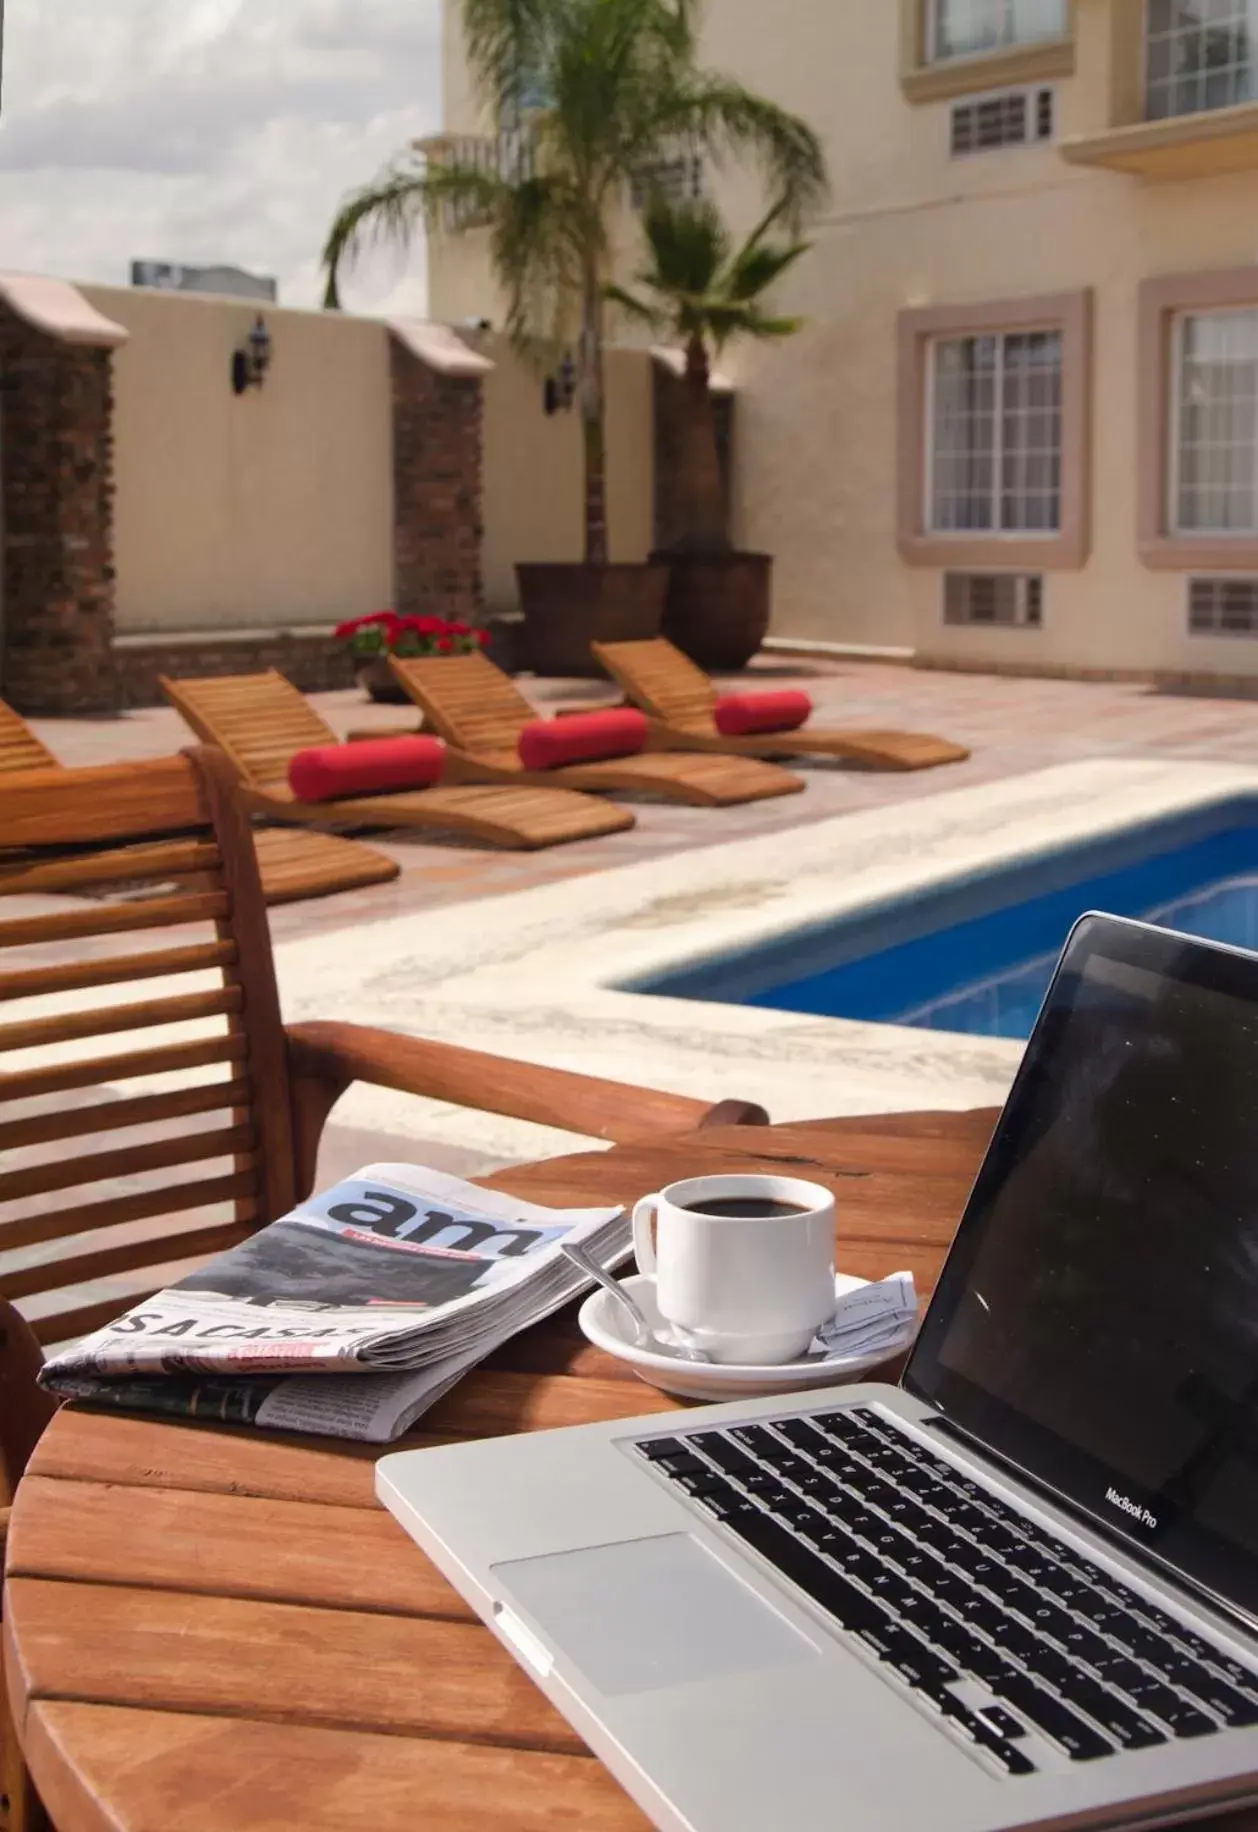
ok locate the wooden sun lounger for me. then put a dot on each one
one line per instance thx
(294, 865)
(679, 698)
(261, 722)
(480, 712)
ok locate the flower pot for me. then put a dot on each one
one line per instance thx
(718, 606)
(375, 677)
(567, 607)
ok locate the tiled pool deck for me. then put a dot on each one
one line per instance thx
(1011, 726)
(470, 980)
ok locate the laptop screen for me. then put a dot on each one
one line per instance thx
(1097, 1320)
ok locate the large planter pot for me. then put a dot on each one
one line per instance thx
(567, 607)
(718, 606)
(375, 677)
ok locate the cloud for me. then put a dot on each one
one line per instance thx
(209, 130)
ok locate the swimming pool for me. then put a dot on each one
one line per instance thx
(976, 955)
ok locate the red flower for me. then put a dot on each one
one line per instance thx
(458, 629)
(444, 644)
(482, 638)
(430, 626)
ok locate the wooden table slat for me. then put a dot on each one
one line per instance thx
(162, 1771)
(404, 1675)
(274, 1551)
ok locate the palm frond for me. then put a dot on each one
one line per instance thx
(391, 206)
(730, 120)
(536, 246)
(653, 316)
(758, 265)
(688, 245)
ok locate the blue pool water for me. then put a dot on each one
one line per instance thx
(977, 957)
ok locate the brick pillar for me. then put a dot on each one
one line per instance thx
(56, 473)
(437, 427)
(669, 392)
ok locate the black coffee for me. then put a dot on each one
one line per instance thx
(745, 1208)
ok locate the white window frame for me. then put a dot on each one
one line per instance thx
(1174, 475)
(1145, 37)
(935, 56)
(995, 533)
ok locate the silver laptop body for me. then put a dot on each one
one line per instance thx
(1021, 1589)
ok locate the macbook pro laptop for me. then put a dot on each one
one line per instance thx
(1019, 1589)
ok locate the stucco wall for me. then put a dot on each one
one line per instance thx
(907, 225)
(532, 478)
(271, 509)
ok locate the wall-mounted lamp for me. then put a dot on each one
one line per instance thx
(252, 360)
(560, 391)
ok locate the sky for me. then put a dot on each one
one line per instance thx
(209, 130)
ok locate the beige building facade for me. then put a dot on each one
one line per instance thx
(1021, 427)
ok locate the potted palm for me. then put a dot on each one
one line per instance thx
(619, 92)
(701, 291)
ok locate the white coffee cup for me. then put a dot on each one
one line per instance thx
(752, 1289)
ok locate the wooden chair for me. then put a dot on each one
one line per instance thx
(480, 713)
(154, 1108)
(246, 1094)
(680, 700)
(260, 722)
(294, 865)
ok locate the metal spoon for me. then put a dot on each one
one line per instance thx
(644, 1335)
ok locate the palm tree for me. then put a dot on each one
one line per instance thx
(621, 93)
(702, 292)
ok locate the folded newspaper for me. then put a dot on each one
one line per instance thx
(350, 1315)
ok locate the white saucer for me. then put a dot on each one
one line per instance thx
(607, 1326)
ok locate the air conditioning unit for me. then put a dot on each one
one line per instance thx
(1006, 600)
(1225, 606)
(1011, 117)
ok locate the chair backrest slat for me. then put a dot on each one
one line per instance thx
(662, 681)
(104, 1071)
(105, 1020)
(112, 919)
(169, 860)
(193, 1122)
(83, 975)
(125, 1160)
(114, 1115)
(121, 1211)
(83, 1268)
(260, 720)
(469, 701)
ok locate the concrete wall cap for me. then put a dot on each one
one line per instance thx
(59, 310)
(438, 347)
(675, 362)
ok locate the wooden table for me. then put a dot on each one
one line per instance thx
(215, 1631)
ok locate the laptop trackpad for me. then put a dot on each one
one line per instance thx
(646, 1613)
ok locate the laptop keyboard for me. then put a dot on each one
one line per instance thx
(945, 1583)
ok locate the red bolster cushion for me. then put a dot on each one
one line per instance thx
(586, 737)
(740, 715)
(370, 766)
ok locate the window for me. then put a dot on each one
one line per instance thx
(966, 28)
(1017, 117)
(993, 433)
(1013, 601)
(1199, 55)
(1214, 444)
(995, 447)
(1223, 607)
